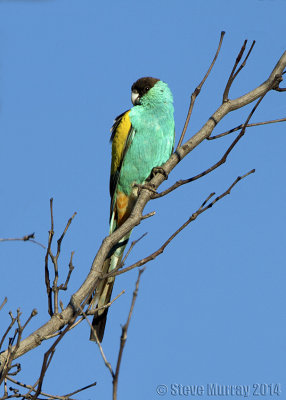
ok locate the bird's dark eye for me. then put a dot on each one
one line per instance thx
(147, 88)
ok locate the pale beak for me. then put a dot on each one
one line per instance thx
(135, 98)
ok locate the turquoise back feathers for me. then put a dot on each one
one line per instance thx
(152, 136)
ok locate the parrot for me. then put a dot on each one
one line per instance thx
(142, 140)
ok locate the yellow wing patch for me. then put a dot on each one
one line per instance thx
(119, 140)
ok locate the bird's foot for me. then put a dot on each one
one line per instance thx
(159, 170)
(149, 186)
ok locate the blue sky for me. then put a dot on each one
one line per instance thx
(211, 309)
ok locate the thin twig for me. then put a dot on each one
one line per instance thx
(63, 234)
(230, 79)
(3, 304)
(194, 216)
(237, 128)
(234, 74)
(196, 92)
(121, 264)
(13, 320)
(133, 244)
(107, 305)
(71, 268)
(56, 288)
(26, 238)
(18, 369)
(124, 335)
(279, 89)
(107, 363)
(244, 61)
(150, 214)
(47, 274)
(79, 390)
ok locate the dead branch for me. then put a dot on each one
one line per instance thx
(237, 128)
(54, 290)
(124, 335)
(79, 390)
(196, 92)
(107, 305)
(106, 362)
(26, 238)
(2, 305)
(47, 273)
(234, 73)
(71, 268)
(13, 320)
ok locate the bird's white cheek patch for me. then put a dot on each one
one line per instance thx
(134, 97)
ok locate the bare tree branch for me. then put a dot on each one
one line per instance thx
(71, 268)
(234, 74)
(107, 305)
(106, 362)
(3, 304)
(47, 273)
(13, 320)
(79, 390)
(237, 128)
(196, 92)
(26, 238)
(124, 335)
(55, 288)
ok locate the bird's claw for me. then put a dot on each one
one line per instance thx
(159, 170)
(149, 186)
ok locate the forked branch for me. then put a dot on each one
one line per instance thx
(196, 92)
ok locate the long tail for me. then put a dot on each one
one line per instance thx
(104, 290)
